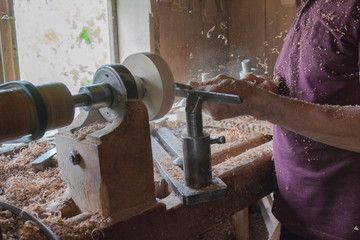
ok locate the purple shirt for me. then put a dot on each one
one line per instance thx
(317, 194)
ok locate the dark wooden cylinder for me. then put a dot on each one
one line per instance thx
(17, 114)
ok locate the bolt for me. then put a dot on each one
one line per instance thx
(218, 140)
(74, 157)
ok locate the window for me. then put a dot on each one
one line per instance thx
(62, 40)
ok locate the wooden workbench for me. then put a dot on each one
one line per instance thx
(250, 179)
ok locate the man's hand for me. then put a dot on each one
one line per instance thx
(338, 126)
(261, 83)
(250, 89)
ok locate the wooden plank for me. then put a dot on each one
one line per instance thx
(276, 234)
(8, 41)
(154, 33)
(113, 30)
(257, 29)
(271, 222)
(174, 143)
(246, 33)
(278, 20)
(240, 221)
(2, 76)
(290, 3)
(181, 38)
(237, 148)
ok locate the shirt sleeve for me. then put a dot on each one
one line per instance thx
(357, 21)
(359, 57)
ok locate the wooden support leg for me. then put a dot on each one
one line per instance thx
(240, 221)
(276, 233)
(271, 222)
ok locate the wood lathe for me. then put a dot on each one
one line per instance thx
(50, 106)
(110, 171)
(100, 170)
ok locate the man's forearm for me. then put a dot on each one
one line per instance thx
(338, 126)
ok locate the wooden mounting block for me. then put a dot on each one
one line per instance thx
(115, 169)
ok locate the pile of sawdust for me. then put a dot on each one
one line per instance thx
(13, 227)
(172, 125)
(243, 125)
(33, 192)
(243, 159)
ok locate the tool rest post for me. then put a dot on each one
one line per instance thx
(196, 146)
(193, 110)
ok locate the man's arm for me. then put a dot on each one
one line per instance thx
(338, 126)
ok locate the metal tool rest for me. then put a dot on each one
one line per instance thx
(195, 160)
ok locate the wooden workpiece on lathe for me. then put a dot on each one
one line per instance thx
(20, 115)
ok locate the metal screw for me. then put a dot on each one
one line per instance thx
(74, 157)
(218, 140)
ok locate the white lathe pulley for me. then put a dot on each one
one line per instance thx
(157, 82)
(142, 76)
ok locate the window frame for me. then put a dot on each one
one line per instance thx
(9, 69)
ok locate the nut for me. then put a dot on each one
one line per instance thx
(74, 157)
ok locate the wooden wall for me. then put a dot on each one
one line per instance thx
(254, 29)
(278, 21)
(181, 38)
(247, 32)
(257, 29)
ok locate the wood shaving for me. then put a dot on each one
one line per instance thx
(208, 34)
(330, 16)
(174, 171)
(243, 125)
(172, 125)
(81, 133)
